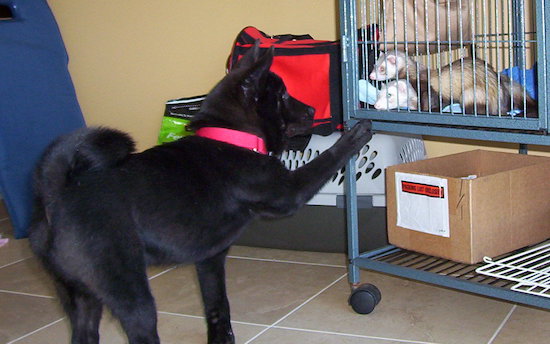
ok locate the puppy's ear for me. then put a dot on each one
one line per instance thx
(250, 57)
(255, 77)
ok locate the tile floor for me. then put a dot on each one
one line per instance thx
(282, 297)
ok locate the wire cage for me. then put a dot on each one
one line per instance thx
(450, 68)
(456, 65)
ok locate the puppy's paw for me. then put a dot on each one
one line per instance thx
(360, 133)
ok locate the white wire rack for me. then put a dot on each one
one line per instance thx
(530, 269)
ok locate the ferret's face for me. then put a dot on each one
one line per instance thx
(396, 95)
(385, 68)
(387, 99)
(379, 73)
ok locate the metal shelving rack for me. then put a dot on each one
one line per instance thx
(409, 264)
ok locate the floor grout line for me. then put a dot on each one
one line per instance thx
(26, 294)
(352, 335)
(15, 262)
(202, 317)
(502, 324)
(181, 315)
(163, 272)
(301, 329)
(35, 331)
(297, 308)
(287, 261)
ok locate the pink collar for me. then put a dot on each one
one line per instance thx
(234, 137)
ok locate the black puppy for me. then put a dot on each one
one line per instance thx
(103, 213)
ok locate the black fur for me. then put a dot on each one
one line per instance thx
(103, 213)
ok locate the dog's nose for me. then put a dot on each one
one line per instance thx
(310, 111)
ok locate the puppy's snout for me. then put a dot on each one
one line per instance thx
(310, 112)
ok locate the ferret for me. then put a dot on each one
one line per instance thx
(396, 94)
(478, 90)
(401, 94)
(390, 65)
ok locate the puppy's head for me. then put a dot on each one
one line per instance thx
(282, 115)
(253, 99)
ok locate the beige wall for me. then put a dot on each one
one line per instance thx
(128, 57)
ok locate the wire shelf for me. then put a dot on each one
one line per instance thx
(461, 276)
(439, 266)
(529, 269)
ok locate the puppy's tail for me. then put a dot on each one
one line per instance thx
(70, 155)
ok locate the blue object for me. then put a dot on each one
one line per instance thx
(37, 100)
(367, 93)
(528, 81)
(454, 108)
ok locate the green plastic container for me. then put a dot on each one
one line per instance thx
(178, 113)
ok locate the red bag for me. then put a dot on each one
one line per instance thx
(310, 69)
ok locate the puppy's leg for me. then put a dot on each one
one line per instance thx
(84, 311)
(82, 307)
(309, 178)
(127, 295)
(285, 194)
(211, 274)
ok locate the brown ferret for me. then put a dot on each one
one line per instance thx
(476, 86)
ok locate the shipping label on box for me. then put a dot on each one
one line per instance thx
(422, 203)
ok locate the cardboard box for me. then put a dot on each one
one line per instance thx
(503, 206)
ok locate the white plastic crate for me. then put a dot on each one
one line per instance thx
(382, 151)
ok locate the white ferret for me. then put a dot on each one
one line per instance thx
(397, 94)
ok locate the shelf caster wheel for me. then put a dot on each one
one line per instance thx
(364, 298)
